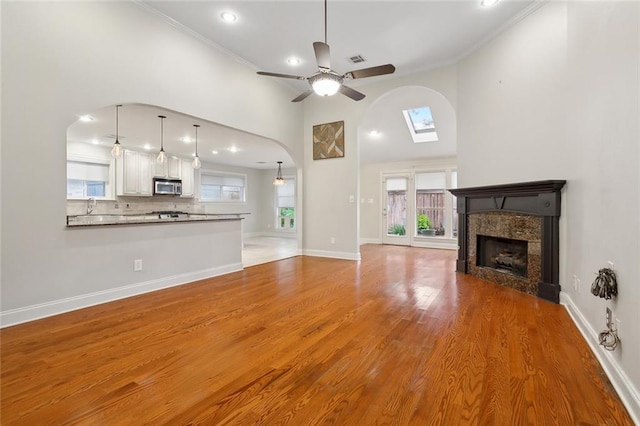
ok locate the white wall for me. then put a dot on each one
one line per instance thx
(557, 97)
(61, 59)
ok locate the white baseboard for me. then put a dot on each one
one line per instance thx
(423, 243)
(332, 254)
(442, 245)
(624, 387)
(283, 234)
(47, 309)
(370, 241)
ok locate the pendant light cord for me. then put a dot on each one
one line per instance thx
(161, 117)
(117, 132)
(196, 126)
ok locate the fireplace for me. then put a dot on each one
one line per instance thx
(509, 234)
(502, 254)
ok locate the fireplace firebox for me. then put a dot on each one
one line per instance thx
(502, 254)
(528, 212)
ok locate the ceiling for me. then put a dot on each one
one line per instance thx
(413, 35)
(139, 129)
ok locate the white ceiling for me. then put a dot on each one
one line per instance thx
(412, 35)
(139, 128)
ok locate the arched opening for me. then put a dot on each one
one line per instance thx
(404, 181)
(235, 177)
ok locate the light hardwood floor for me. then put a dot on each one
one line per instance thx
(398, 338)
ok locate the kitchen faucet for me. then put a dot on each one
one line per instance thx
(91, 204)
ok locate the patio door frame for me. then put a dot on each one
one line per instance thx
(407, 238)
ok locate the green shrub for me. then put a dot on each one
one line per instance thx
(397, 229)
(423, 221)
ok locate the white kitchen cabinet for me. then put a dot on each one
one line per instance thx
(170, 169)
(175, 167)
(187, 178)
(145, 162)
(133, 174)
(159, 169)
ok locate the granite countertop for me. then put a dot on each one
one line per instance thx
(134, 219)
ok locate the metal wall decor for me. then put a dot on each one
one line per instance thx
(328, 140)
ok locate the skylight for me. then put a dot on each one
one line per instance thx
(421, 125)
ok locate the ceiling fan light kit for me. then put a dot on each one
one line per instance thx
(326, 82)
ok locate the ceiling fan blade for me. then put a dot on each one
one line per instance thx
(274, 74)
(353, 94)
(323, 57)
(371, 72)
(302, 96)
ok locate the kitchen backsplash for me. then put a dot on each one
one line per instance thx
(137, 205)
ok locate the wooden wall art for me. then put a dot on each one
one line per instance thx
(328, 140)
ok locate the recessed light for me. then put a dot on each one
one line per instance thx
(233, 149)
(375, 133)
(186, 139)
(228, 17)
(95, 142)
(86, 118)
(293, 61)
(488, 3)
(214, 152)
(147, 146)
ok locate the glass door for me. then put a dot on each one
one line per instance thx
(396, 228)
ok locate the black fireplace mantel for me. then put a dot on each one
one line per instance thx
(539, 198)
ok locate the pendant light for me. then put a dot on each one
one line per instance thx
(196, 160)
(279, 180)
(162, 157)
(116, 151)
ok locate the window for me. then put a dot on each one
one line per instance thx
(218, 186)
(421, 125)
(286, 204)
(86, 179)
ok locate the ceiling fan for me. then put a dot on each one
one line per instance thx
(326, 82)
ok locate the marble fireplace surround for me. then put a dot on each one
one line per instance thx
(526, 211)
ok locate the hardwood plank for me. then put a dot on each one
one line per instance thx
(398, 338)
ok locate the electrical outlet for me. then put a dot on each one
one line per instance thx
(578, 285)
(137, 265)
(575, 283)
(333, 240)
(610, 263)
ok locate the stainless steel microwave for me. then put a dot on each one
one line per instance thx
(167, 186)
